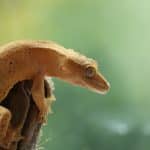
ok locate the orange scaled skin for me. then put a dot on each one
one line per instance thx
(33, 60)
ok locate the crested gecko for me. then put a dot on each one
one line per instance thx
(33, 60)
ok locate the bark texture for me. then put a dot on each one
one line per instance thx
(23, 129)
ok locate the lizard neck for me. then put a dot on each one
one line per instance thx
(51, 61)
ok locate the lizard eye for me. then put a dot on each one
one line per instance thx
(90, 72)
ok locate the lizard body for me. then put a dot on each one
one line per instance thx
(33, 60)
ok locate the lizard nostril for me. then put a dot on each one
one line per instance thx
(107, 84)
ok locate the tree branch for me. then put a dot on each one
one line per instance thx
(23, 129)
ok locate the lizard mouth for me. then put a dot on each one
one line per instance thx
(100, 87)
(98, 84)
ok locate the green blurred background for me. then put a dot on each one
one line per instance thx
(114, 32)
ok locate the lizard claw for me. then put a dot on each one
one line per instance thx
(42, 117)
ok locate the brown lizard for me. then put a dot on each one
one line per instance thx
(33, 60)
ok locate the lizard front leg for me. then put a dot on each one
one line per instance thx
(37, 92)
(5, 117)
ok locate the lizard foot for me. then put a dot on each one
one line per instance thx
(42, 117)
(5, 116)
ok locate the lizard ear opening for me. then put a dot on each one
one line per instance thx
(63, 68)
(63, 64)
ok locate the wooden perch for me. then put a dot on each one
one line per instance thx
(19, 117)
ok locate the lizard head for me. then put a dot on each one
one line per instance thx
(83, 71)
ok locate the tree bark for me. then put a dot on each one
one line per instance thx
(24, 128)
